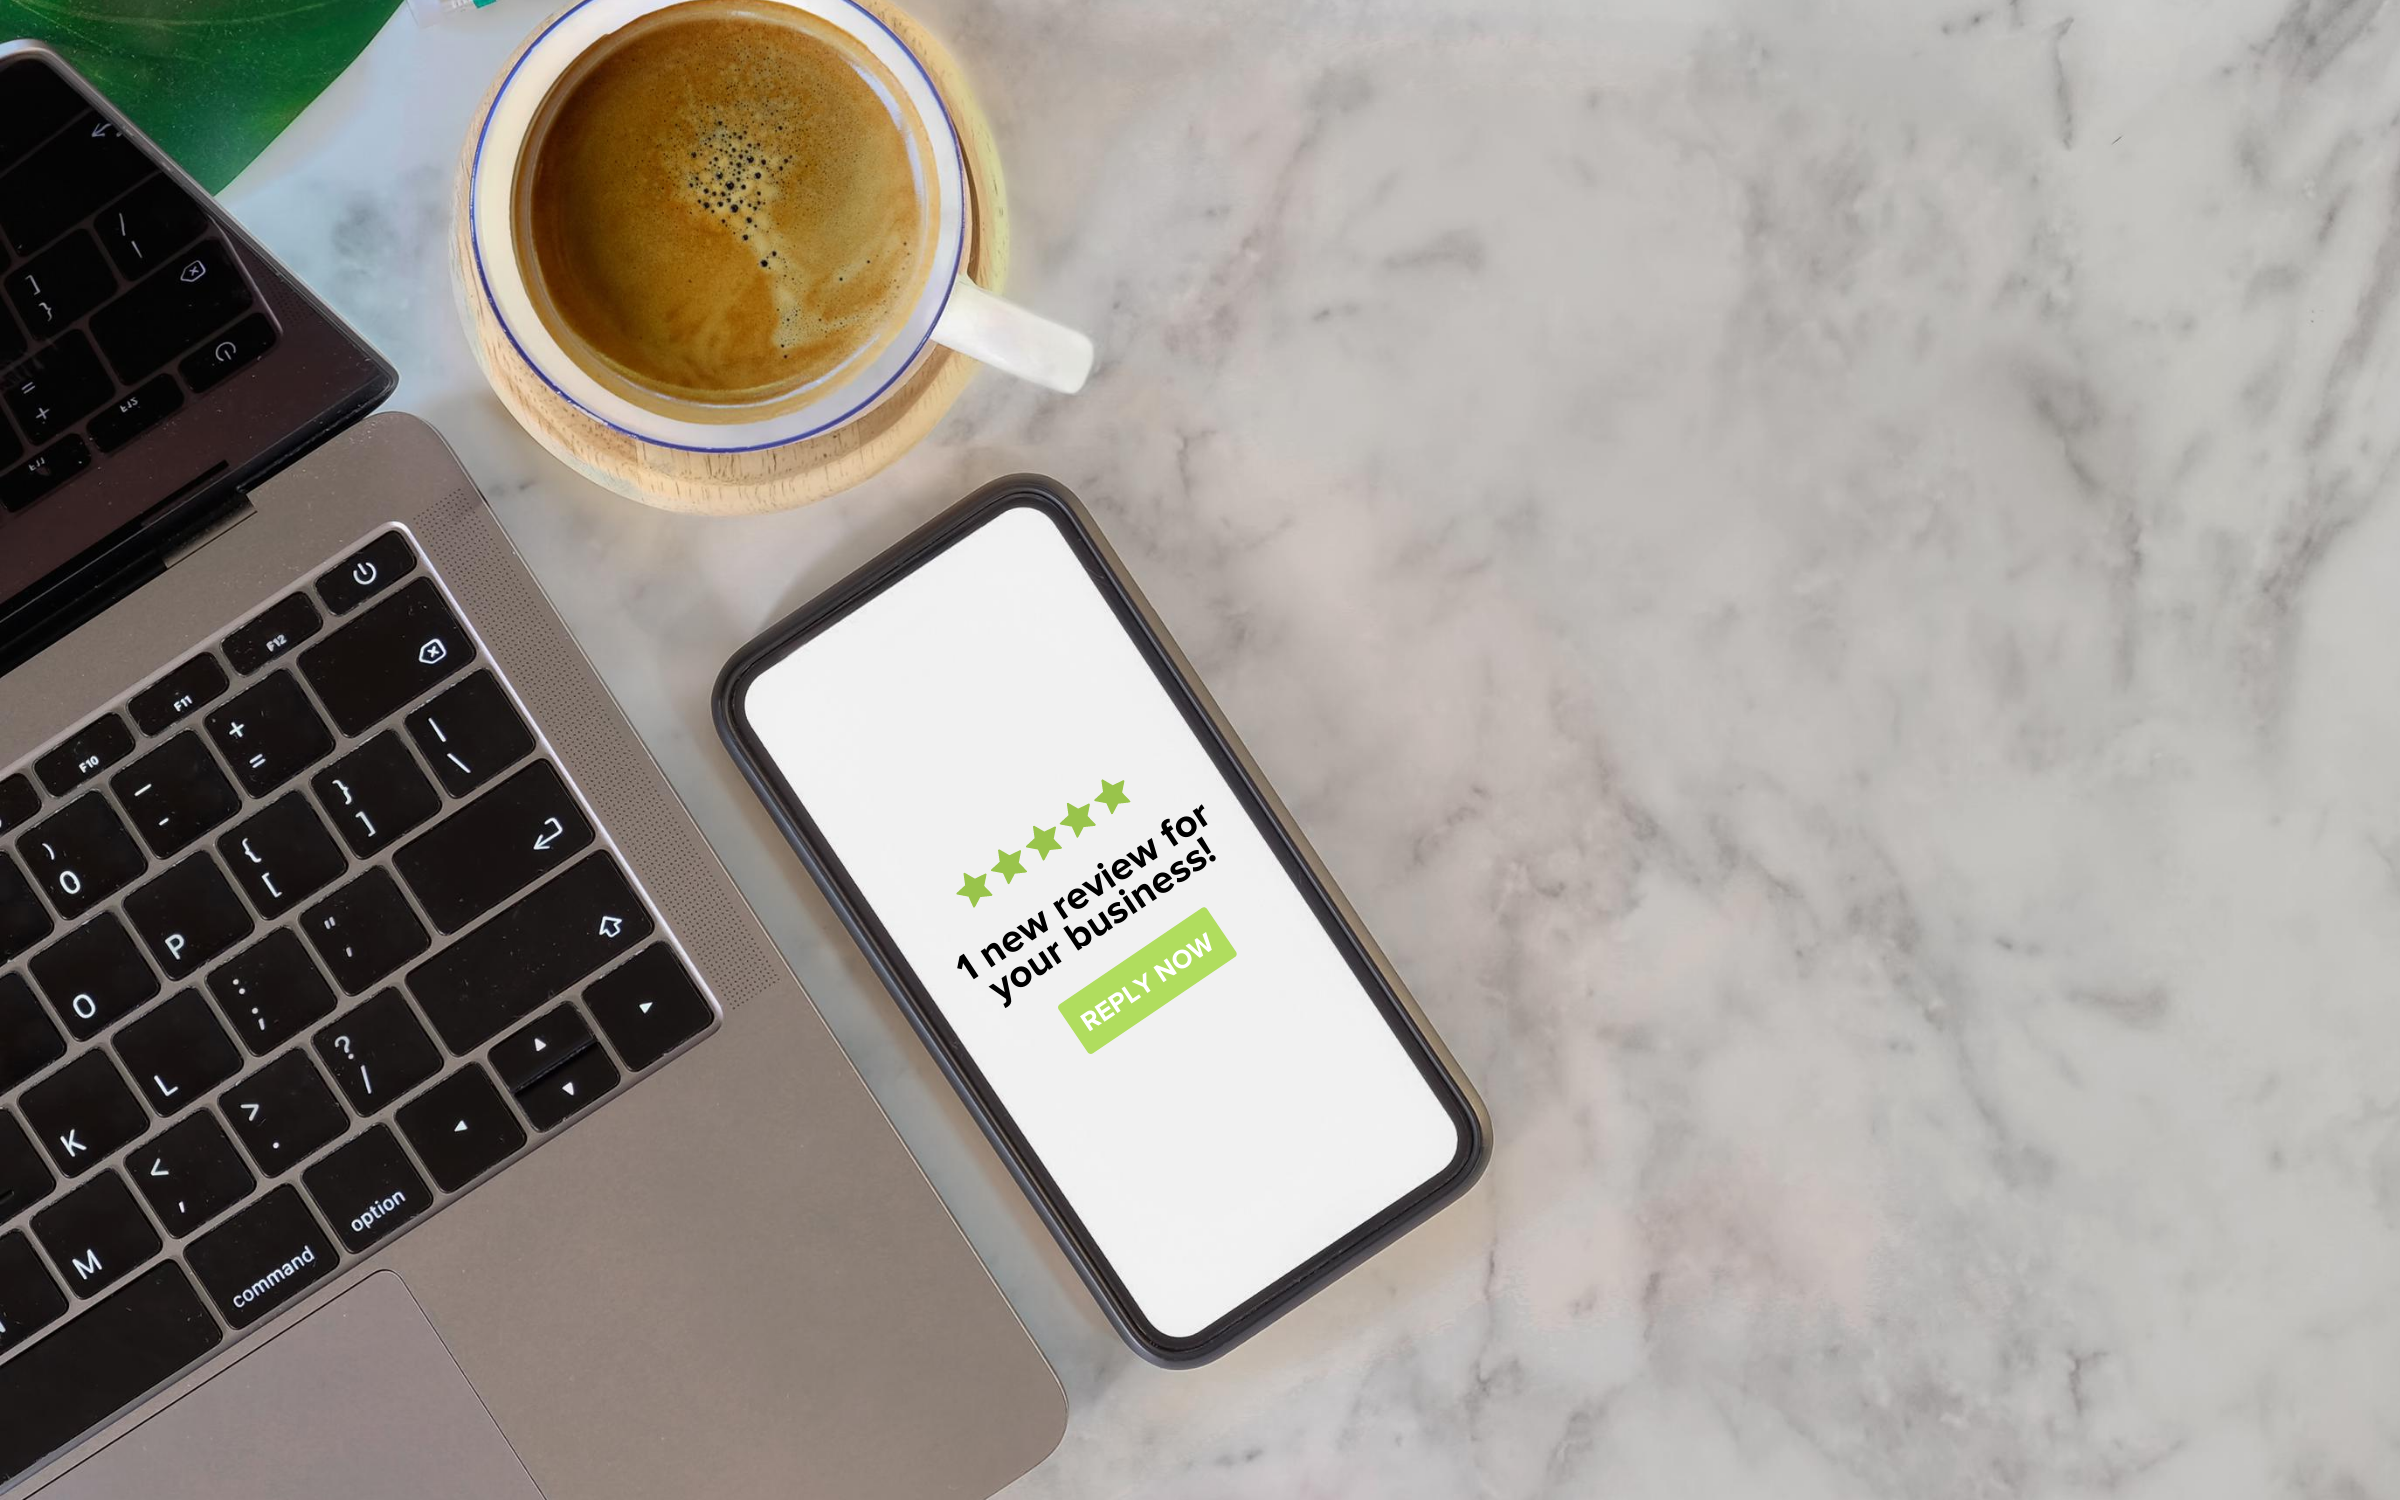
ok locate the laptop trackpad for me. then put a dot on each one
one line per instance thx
(359, 1400)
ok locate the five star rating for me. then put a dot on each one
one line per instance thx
(1010, 863)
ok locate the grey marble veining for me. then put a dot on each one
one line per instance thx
(1827, 577)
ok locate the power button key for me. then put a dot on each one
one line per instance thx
(367, 572)
(229, 351)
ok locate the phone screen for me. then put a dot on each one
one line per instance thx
(1101, 921)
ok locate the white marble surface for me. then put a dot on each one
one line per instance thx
(1828, 577)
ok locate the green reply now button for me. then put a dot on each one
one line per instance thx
(1189, 952)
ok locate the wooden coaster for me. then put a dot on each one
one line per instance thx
(740, 484)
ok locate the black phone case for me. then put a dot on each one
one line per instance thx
(1374, 971)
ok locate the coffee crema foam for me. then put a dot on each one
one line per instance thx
(721, 206)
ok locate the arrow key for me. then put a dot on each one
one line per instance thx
(570, 1089)
(190, 1174)
(461, 1128)
(540, 1047)
(649, 1006)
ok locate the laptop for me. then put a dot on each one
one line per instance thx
(396, 1096)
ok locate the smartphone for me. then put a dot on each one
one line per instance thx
(1028, 812)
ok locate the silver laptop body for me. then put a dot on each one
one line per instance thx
(397, 1098)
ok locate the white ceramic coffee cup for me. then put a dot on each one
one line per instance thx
(950, 310)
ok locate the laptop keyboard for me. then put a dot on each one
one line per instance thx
(119, 300)
(296, 942)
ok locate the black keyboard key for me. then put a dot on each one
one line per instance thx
(34, 102)
(570, 1090)
(83, 1112)
(470, 734)
(530, 954)
(28, 480)
(181, 303)
(99, 1363)
(135, 414)
(228, 352)
(77, 170)
(93, 977)
(148, 225)
(263, 1258)
(367, 1190)
(29, 1300)
(278, 628)
(177, 1053)
(23, 921)
(541, 1046)
(56, 387)
(61, 284)
(188, 916)
(81, 856)
(649, 1006)
(367, 572)
(18, 803)
(196, 682)
(24, 1177)
(494, 847)
(269, 734)
(373, 666)
(96, 1235)
(175, 794)
(461, 1128)
(12, 345)
(190, 1174)
(271, 992)
(364, 931)
(284, 1113)
(282, 855)
(84, 754)
(29, 1042)
(375, 794)
(378, 1053)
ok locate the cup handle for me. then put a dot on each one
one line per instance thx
(1013, 341)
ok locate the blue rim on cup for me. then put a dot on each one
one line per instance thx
(950, 309)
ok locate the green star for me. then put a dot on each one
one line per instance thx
(1112, 795)
(1079, 818)
(1045, 841)
(974, 890)
(1011, 865)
